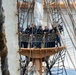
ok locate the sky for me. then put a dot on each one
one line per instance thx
(69, 72)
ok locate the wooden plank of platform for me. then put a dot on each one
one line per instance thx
(40, 52)
(52, 4)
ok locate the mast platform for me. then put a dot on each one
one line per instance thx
(38, 53)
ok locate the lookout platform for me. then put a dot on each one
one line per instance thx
(38, 53)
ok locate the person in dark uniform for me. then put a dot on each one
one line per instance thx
(39, 37)
(58, 39)
(56, 31)
(33, 33)
(27, 30)
(60, 28)
(33, 30)
(52, 38)
(46, 31)
(25, 36)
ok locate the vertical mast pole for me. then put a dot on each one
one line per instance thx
(11, 29)
(38, 19)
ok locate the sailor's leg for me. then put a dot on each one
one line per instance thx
(25, 44)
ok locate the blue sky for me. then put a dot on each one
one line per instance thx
(69, 71)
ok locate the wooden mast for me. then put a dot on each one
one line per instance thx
(38, 61)
(11, 29)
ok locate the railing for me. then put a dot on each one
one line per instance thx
(38, 40)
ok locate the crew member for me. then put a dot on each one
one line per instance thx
(52, 38)
(33, 33)
(26, 36)
(39, 37)
(46, 31)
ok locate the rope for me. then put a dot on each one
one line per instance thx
(70, 38)
(69, 28)
(58, 63)
(47, 66)
(55, 4)
(74, 4)
(67, 50)
(25, 17)
(19, 33)
(69, 56)
(22, 15)
(68, 24)
(28, 18)
(68, 62)
(68, 31)
(63, 64)
(47, 6)
(69, 12)
(23, 20)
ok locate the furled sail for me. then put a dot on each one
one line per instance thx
(38, 12)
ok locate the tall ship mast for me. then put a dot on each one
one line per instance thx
(41, 37)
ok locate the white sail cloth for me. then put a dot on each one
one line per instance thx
(38, 13)
(32, 71)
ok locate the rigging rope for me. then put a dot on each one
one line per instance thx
(68, 31)
(68, 24)
(74, 5)
(70, 57)
(54, 59)
(70, 38)
(69, 28)
(22, 20)
(69, 12)
(47, 9)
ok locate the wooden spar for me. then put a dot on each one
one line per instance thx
(52, 4)
(38, 53)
